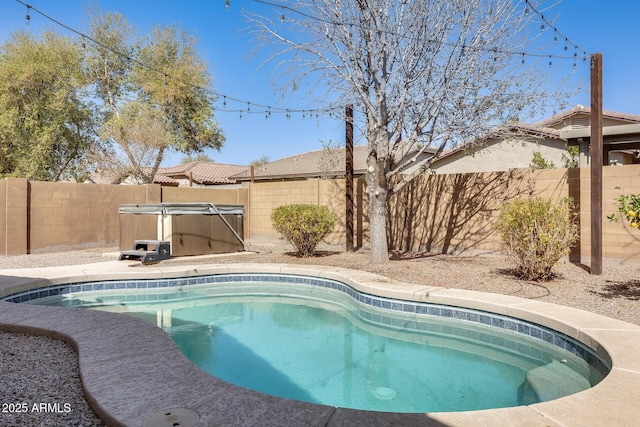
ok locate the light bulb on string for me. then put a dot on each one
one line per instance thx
(248, 107)
(566, 41)
(523, 58)
(555, 36)
(282, 17)
(550, 62)
(226, 5)
(27, 18)
(224, 101)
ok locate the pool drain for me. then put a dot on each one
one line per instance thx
(384, 393)
(173, 417)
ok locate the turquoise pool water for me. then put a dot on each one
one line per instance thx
(320, 345)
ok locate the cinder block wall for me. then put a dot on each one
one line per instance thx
(13, 218)
(264, 197)
(64, 215)
(442, 213)
(455, 213)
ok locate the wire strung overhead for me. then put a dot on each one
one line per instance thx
(528, 7)
(266, 110)
(557, 33)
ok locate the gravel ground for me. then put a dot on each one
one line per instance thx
(615, 293)
(40, 384)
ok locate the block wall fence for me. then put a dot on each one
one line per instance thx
(439, 213)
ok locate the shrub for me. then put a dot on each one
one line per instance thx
(536, 233)
(629, 208)
(304, 226)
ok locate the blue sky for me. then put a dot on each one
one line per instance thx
(610, 28)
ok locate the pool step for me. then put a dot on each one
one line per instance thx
(550, 381)
(148, 251)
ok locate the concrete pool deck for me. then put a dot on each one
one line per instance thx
(133, 374)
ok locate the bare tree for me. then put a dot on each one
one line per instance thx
(423, 73)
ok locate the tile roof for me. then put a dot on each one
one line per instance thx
(205, 173)
(310, 164)
(580, 109)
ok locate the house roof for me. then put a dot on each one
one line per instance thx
(205, 173)
(544, 128)
(309, 165)
(312, 164)
(580, 109)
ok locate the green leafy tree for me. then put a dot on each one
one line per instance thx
(570, 158)
(539, 162)
(162, 91)
(628, 208)
(201, 157)
(46, 122)
(263, 160)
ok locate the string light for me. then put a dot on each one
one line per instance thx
(329, 110)
(557, 32)
(226, 5)
(545, 23)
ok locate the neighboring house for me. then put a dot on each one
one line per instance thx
(326, 163)
(513, 147)
(199, 174)
(621, 134)
(194, 174)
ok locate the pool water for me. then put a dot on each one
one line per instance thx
(317, 355)
(316, 346)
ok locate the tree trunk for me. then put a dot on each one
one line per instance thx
(378, 229)
(377, 189)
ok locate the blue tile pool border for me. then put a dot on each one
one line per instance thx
(535, 331)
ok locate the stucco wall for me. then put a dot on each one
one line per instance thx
(500, 156)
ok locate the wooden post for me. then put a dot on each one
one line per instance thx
(596, 164)
(348, 178)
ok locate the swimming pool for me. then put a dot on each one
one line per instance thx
(483, 340)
